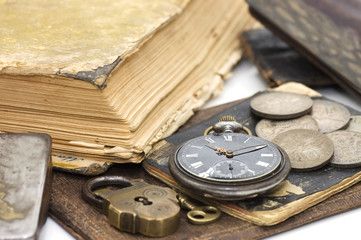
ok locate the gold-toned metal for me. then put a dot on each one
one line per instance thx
(207, 131)
(7, 212)
(217, 149)
(227, 118)
(247, 130)
(198, 214)
(147, 209)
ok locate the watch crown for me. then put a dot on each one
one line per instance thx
(227, 118)
(227, 124)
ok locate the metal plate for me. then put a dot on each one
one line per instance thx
(25, 170)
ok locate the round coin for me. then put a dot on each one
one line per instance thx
(307, 149)
(281, 105)
(269, 129)
(355, 124)
(347, 147)
(330, 116)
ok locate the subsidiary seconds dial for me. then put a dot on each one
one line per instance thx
(229, 165)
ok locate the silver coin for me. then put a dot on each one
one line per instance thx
(354, 124)
(269, 129)
(281, 105)
(330, 116)
(347, 147)
(307, 149)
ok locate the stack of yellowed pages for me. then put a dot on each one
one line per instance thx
(107, 79)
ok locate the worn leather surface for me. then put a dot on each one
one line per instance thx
(77, 39)
(278, 62)
(325, 32)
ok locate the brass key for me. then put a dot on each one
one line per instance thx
(138, 207)
(198, 214)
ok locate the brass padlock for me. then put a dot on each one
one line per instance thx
(137, 208)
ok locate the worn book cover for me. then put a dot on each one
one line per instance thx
(77, 39)
(278, 62)
(326, 32)
(108, 79)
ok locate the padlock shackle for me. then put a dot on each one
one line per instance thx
(93, 183)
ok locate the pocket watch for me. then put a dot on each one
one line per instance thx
(227, 164)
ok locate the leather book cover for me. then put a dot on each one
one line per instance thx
(270, 55)
(326, 32)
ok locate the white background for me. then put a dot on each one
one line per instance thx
(244, 83)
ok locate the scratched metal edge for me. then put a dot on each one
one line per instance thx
(102, 72)
(48, 183)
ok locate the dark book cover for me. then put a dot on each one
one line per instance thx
(325, 31)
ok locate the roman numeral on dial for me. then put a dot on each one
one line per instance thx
(192, 155)
(228, 138)
(208, 139)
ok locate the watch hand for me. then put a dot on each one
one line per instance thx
(231, 153)
(212, 147)
(219, 150)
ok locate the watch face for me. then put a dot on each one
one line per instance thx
(228, 157)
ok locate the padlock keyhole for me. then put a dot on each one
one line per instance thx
(143, 200)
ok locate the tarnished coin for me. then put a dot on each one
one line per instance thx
(307, 149)
(354, 124)
(281, 105)
(347, 147)
(330, 116)
(269, 129)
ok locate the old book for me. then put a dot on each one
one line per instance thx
(326, 32)
(108, 79)
(270, 55)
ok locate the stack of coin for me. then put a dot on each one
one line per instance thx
(309, 130)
